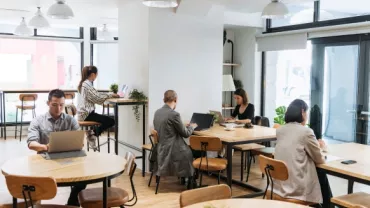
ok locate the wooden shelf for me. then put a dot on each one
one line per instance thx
(228, 108)
(231, 64)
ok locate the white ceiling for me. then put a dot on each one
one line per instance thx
(98, 12)
(89, 12)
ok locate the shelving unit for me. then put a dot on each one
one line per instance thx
(232, 65)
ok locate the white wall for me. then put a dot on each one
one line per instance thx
(161, 50)
(133, 66)
(250, 70)
(185, 54)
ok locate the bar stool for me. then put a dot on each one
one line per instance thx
(90, 125)
(107, 106)
(69, 96)
(84, 125)
(26, 104)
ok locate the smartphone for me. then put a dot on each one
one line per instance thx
(348, 162)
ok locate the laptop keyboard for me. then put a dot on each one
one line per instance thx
(62, 155)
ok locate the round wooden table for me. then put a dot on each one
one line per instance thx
(95, 167)
(241, 203)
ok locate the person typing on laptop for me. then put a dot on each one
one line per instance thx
(174, 156)
(244, 110)
(52, 121)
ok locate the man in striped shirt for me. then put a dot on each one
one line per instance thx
(52, 121)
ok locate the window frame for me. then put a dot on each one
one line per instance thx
(316, 22)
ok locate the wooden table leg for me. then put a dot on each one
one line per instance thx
(144, 137)
(105, 183)
(116, 128)
(350, 186)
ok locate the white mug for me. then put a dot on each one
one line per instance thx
(229, 126)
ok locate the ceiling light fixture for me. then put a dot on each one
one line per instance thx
(22, 29)
(275, 10)
(60, 10)
(39, 21)
(161, 3)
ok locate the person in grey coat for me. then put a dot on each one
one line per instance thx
(174, 156)
(298, 147)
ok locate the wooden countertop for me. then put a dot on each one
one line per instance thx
(349, 151)
(242, 203)
(239, 134)
(93, 166)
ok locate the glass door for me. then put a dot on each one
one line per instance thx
(334, 91)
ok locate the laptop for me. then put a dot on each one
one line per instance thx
(222, 122)
(65, 144)
(204, 121)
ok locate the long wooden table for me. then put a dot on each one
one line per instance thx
(121, 101)
(2, 102)
(358, 172)
(257, 134)
(241, 203)
(94, 168)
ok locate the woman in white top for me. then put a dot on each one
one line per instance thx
(89, 96)
(298, 147)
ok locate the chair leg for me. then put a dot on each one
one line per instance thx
(20, 133)
(249, 164)
(16, 124)
(201, 178)
(150, 179)
(219, 177)
(158, 180)
(241, 165)
(245, 161)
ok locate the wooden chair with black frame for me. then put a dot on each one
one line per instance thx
(204, 144)
(116, 197)
(276, 170)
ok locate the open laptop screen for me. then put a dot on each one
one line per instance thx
(204, 121)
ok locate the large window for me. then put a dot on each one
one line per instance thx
(37, 64)
(336, 9)
(288, 76)
(322, 13)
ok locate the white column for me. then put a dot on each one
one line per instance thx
(161, 50)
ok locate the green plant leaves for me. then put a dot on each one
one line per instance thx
(280, 115)
(139, 96)
(114, 88)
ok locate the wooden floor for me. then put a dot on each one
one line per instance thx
(170, 187)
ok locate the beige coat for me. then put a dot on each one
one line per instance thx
(298, 147)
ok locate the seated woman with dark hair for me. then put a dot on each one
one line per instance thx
(298, 147)
(244, 110)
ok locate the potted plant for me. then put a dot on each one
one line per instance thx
(215, 117)
(238, 84)
(114, 88)
(280, 115)
(138, 96)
